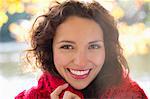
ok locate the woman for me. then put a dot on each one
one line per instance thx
(77, 48)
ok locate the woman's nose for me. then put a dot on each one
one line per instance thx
(81, 58)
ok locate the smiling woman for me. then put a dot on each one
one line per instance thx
(77, 48)
(78, 59)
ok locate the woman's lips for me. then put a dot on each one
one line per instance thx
(79, 74)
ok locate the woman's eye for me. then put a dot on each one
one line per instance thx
(66, 47)
(94, 46)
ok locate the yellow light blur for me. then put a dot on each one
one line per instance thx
(3, 18)
(117, 12)
(135, 39)
(146, 0)
(15, 7)
(20, 31)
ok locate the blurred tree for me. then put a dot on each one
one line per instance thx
(12, 11)
(5, 34)
(135, 11)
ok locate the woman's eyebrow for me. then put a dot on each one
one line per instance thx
(66, 41)
(96, 41)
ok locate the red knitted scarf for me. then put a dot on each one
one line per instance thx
(48, 83)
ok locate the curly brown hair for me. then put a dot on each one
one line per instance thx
(43, 34)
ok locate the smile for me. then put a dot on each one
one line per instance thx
(79, 74)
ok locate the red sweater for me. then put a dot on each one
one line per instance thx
(48, 83)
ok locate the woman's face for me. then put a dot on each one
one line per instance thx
(79, 51)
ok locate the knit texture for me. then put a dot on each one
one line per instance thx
(48, 83)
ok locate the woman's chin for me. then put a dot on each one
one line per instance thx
(79, 87)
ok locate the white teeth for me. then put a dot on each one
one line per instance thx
(79, 72)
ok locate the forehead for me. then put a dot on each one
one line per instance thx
(78, 27)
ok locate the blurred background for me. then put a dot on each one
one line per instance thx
(17, 16)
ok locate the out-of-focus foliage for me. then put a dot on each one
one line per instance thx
(146, 0)
(12, 6)
(3, 18)
(117, 12)
(135, 39)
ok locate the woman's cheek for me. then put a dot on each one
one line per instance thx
(61, 59)
(98, 58)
